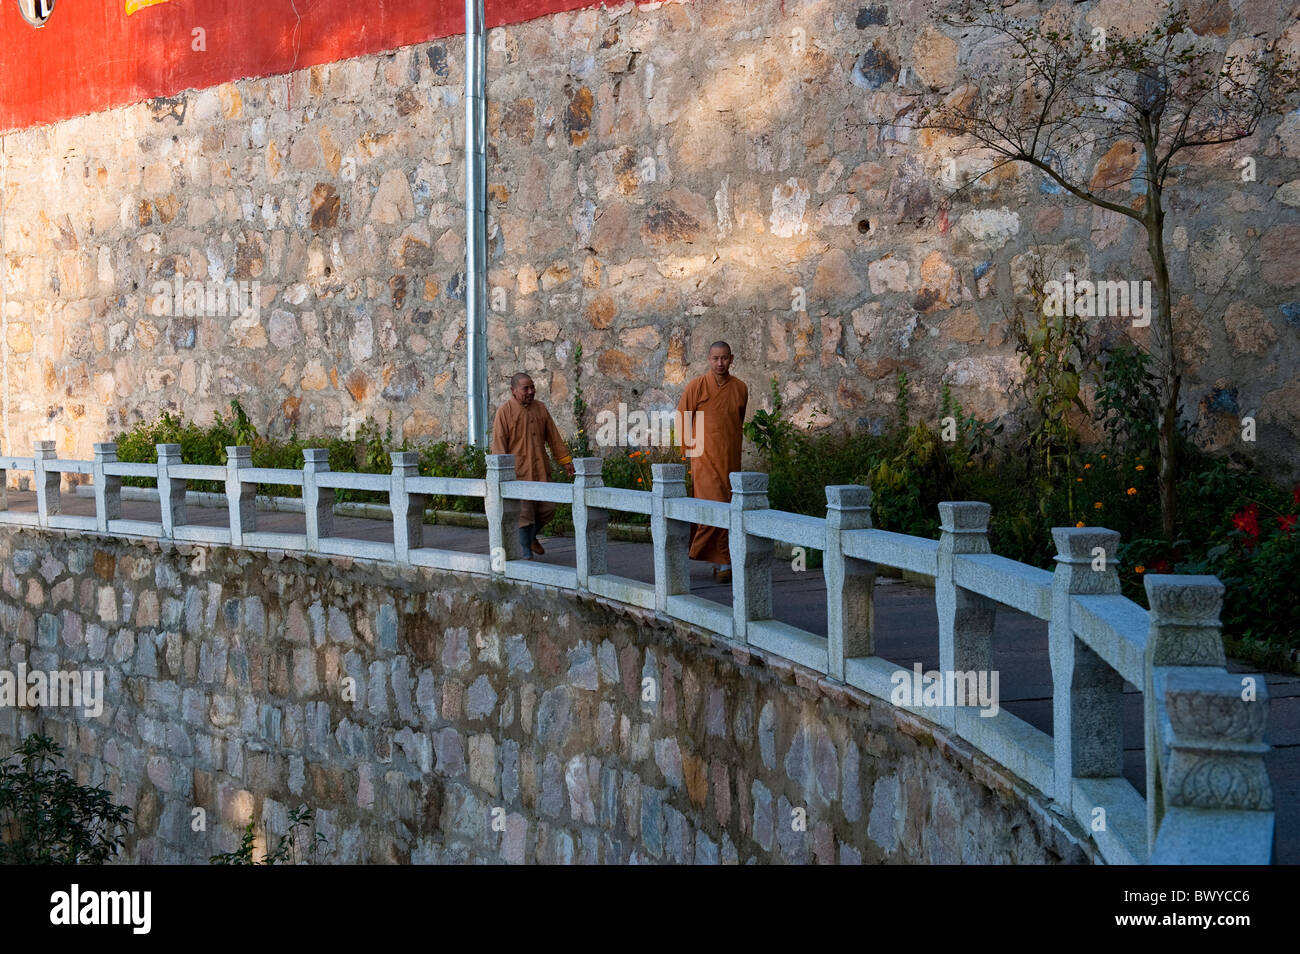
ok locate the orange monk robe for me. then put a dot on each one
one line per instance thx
(525, 432)
(717, 413)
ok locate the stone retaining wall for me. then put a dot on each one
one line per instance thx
(482, 721)
(659, 177)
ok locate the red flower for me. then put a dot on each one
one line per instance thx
(1295, 494)
(1161, 566)
(1248, 522)
(1287, 524)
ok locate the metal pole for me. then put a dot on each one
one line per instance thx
(476, 222)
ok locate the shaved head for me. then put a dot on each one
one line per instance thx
(720, 359)
(521, 388)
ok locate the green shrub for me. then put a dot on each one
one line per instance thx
(285, 851)
(1049, 482)
(367, 453)
(46, 818)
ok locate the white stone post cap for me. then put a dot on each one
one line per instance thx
(848, 497)
(1076, 544)
(964, 516)
(668, 473)
(1194, 600)
(746, 481)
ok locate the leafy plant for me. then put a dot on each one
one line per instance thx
(245, 432)
(974, 439)
(1128, 403)
(285, 851)
(1053, 350)
(582, 442)
(909, 486)
(901, 402)
(46, 818)
(771, 432)
(375, 457)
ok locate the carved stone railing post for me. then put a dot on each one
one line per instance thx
(671, 537)
(751, 557)
(108, 489)
(1086, 691)
(590, 524)
(850, 582)
(47, 482)
(407, 508)
(502, 514)
(965, 618)
(317, 501)
(241, 497)
(1209, 799)
(171, 490)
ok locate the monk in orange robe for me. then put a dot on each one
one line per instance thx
(712, 410)
(524, 427)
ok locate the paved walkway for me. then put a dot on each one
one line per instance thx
(906, 633)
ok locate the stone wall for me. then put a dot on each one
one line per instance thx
(660, 176)
(489, 722)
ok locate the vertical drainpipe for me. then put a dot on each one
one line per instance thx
(475, 222)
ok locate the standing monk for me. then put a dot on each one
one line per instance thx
(713, 408)
(524, 427)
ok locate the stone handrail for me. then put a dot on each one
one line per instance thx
(1208, 798)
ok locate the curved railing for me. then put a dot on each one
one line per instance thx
(1208, 798)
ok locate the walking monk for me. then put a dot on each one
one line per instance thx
(523, 427)
(713, 407)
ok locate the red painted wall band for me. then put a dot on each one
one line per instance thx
(91, 55)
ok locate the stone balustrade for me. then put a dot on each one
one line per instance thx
(1208, 797)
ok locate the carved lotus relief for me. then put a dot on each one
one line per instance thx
(1219, 783)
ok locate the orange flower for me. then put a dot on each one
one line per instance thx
(1080, 524)
(1078, 480)
(1087, 466)
(1097, 505)
(1103, 456)
(638, 480)
(1139, 467)
(1139, 568)
(1132, 491)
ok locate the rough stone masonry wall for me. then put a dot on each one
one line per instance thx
(660, 176)
(599, 736)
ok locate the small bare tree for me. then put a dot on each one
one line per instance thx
(1053, 98)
